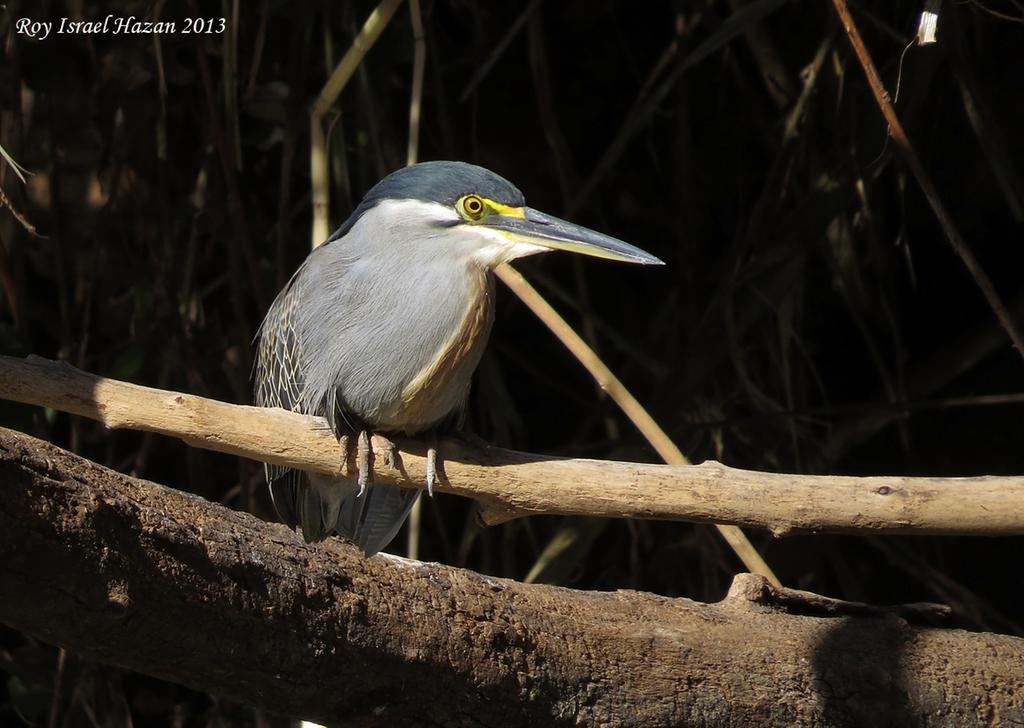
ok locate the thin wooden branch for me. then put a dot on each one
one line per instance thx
(629, 405)
(924, 180)
(415, 525)
(508, 484)
(418, 66)
(145, 577)
(340, 77)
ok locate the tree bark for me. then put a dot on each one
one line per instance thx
(507, 484)
(159, 581)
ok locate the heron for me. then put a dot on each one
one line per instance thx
(382, 326)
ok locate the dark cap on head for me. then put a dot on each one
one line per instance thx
(445, 182)
(441, 182)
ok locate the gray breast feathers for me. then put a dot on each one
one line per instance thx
(393, 350)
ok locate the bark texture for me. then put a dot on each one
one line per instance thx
(155, 580)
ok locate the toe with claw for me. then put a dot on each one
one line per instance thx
(431, 469)
(364, 461)
(390, 454)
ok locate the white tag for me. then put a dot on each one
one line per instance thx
(926, 27)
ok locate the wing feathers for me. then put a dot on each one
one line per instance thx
(320, 505)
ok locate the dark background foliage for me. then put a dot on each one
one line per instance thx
(811, 317)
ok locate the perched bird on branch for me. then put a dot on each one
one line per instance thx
(382, 326)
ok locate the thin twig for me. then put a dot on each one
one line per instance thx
(58, 682)
(230, 75)
(632, 408)
(412, 156)
(240, 239)
(996, 13)
(319, 177)
(903, 406)
(645, 106)
(499, 49)
(899, 136)
(257, 49)
(419, 64)
(5, 202)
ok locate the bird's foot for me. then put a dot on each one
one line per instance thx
(361, 459)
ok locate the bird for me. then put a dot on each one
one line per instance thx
(382, 326)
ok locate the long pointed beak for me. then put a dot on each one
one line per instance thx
(538, 228)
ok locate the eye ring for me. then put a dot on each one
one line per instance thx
(473, 206)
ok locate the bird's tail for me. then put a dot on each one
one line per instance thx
(324, 505)
(372, 519)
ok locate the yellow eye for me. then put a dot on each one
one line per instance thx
(473, 206)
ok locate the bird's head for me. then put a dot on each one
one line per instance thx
(478, 213)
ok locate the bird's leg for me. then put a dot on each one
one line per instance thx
(364, 460)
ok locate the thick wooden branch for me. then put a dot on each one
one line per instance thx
(159, 581)
(509, 484)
